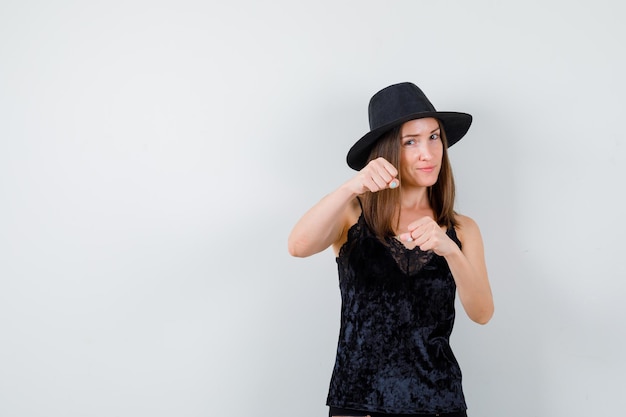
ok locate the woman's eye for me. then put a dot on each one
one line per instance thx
(434, 136)
(409, 142)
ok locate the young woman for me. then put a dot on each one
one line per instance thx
(402, 253)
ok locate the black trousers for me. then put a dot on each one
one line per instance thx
(334, 411)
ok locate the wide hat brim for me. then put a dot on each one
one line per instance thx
(395, 105)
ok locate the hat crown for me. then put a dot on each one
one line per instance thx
(395, 102)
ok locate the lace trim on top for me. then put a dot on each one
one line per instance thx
(409, 261)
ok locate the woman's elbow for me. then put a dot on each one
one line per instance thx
(484, 316)
(297, 248)
(293, 250)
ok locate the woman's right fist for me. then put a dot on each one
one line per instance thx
(377, 175)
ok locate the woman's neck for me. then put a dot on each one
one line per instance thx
(414, 198)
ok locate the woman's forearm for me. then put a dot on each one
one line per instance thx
(322, 225)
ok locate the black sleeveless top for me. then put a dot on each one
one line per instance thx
(397, 314)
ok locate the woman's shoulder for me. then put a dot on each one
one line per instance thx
(464, 220)
(465, 225)
(350, 218)
(352, 214)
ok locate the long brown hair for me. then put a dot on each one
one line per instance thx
(383, 207)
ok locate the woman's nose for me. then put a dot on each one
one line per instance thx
(424, 154)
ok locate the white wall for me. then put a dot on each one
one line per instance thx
(154, 156)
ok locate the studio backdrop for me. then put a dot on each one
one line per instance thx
(154, 156)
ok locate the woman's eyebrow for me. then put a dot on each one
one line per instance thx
(417, 134)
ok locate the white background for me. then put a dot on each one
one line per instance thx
(154, 156)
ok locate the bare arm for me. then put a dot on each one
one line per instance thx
(323, 224)
(470, 272)
(327, 222)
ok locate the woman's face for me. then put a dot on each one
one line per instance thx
(421, 152)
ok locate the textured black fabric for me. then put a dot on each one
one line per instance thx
(346, 412)
(397, 314)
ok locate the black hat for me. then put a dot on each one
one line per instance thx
(399, 103)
